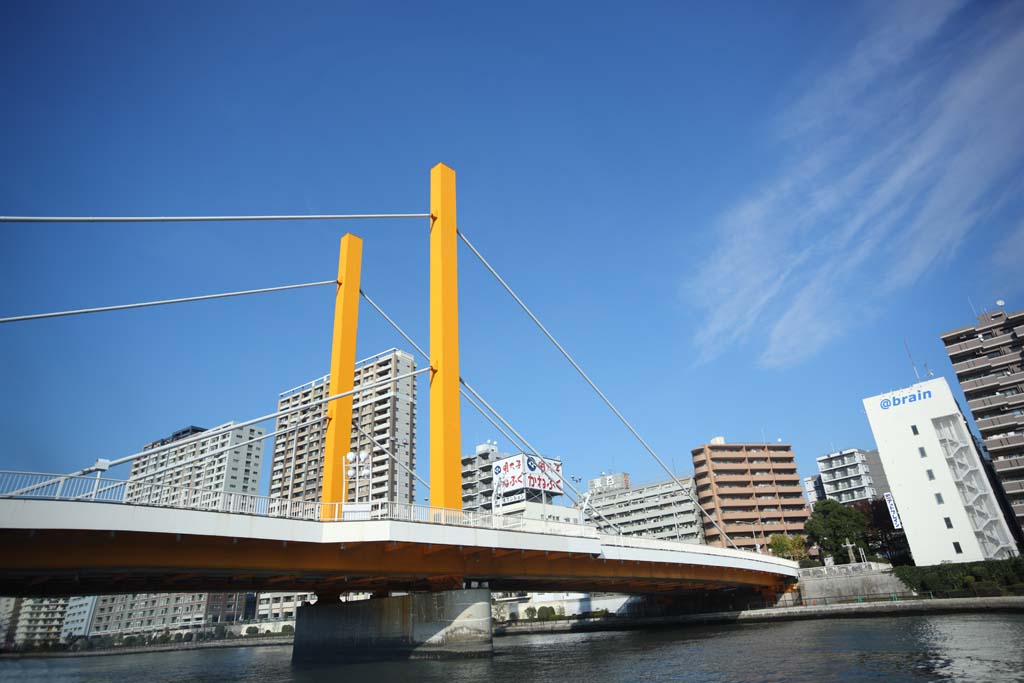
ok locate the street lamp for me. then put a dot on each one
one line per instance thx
(359, 470)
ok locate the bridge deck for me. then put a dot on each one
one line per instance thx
(81, 547)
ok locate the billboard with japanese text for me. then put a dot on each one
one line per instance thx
(528, 472)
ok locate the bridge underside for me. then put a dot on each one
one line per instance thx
(66, 562)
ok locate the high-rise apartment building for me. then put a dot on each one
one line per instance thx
(194, 473)
(386, 415)
(939, 485)
(661, 510)
(40, 621)
(751, 490)
(988, 359)
(852, 475)
(226, 461)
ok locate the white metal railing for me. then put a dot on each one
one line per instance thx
(58, 487)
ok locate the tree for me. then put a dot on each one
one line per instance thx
(531, 612)
(881, 537)
(220, 631)
(831, 524)
(790, 547)
(252, 631)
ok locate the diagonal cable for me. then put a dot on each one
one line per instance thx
(593, 386)
(585, 500)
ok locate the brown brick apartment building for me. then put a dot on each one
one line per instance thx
(751, 490)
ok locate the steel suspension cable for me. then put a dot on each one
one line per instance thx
(423, 353)
(205, 219)
(263, 418)
(583, 500)
(221, 430)
(593, 386)
(164, 302)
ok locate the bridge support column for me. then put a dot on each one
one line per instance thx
(448, 624)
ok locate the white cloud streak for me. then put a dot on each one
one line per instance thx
(910, 141)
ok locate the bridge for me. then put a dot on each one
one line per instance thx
(71, 543)
(84, 533)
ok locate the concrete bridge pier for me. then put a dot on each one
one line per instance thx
(447, 624)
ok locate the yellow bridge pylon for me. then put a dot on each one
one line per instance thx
(445, 416)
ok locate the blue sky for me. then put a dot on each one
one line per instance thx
(733, 215)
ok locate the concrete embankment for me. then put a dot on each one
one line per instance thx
(847, 611)
(261, 641)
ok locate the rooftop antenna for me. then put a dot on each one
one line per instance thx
(907, 347)
(973, 309)
(1000, 303)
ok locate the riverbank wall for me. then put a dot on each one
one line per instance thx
(845, 611)
(251, 641)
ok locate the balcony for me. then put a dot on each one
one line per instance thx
(972, 365)
(1000, 421)
(1006, 465)
(969, 346)
(982, 383)
(995, 402)
(1004, 443)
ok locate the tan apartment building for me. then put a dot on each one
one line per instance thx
(751, 491)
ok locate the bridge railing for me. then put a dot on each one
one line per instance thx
(40, 486)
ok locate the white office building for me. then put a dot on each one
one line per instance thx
(938, 483)
(78, 617)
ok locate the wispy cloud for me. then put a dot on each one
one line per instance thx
(910, 140)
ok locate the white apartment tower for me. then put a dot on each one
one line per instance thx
(385, 415)
(40, 621)
(196, 472)
(383, 419)
(936, 476)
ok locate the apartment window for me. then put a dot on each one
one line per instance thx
(957, 548)
(931, 475)
(948, 521)
(938, 498)
(922, 452)
(913, 428)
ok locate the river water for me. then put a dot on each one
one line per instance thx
(987, 648)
